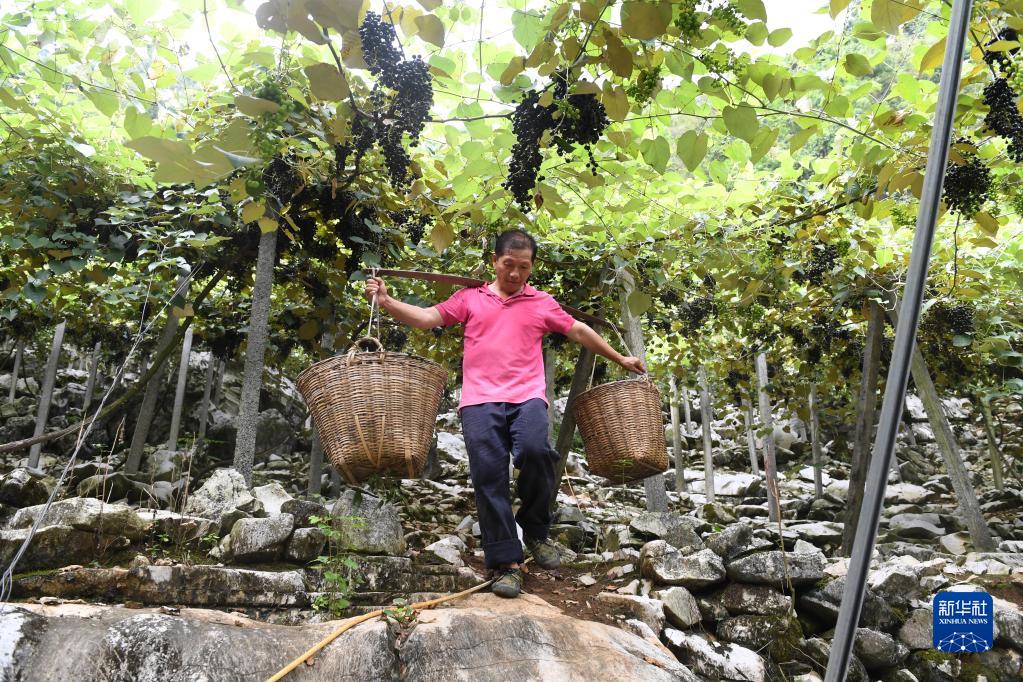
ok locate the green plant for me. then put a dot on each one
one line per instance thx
(401, 611)
(336, 568)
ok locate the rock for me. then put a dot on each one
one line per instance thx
(305, 545)
(820, 533)
(274, 434)
(716, 512)
(730, 542)
(571, 536)
(181, 585)
(755, 599)
(716, 660)
(566, 514)
(367, 525)
(446, 550)
(769, 568)
(223, 498)
(781, 635)
(907, 493)
(917, 631)
(178, 527)
(729, 484)
(84, 513)
(649, 611)
(51, 547)
(823, 603)
(878, 650)
(956, 543)
(165, 465)
(677, 530)
(934, 666)
(255, 540)
(1008, 624)
(817, 650)
(272, 496)
(452, 445)
(23, 487)
(667, 565)
(922, 526)
(113, 486)
(680, 607)
(303, 511)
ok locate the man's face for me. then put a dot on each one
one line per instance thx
(512, 269)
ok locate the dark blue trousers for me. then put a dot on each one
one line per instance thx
(492, 431)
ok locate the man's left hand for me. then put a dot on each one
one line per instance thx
(633, 365)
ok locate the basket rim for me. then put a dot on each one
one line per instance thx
(617, 384)
(380, 353)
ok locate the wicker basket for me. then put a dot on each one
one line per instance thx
(375, 411)
(622, 430)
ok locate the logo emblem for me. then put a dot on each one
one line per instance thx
(964, 622)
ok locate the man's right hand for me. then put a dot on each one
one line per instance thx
(376, 286)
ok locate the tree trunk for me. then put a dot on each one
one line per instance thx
(980, 534)
(155, 386)
(770, 463)
(19, 351)
(90, 384)
(815, 445)
(252, 377)
(656, 494)
(46, 394)
(204, 409)
(865, 410)
(315, 486)
(706, 414)
(907, 421)
(751, 439)
(179, 393)
(688, 412)
(676, 440)
(550, 361)
(567, 429)
(992, 442)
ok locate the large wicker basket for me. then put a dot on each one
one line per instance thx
(375, 411)
(622, 430)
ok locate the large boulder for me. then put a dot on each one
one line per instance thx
(732, 541)
(762, 600)
(223, 498)
(716, 660)
(667, 565)
(255, 540)
(878, 650)
(272, 496)
(643, 609)
(680, 607)
(23, 487)
(677, 530)
(51, 547)
(84, 513)
(481, 638)
(367, 525)
(772, 568)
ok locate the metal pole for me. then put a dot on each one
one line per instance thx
(905, 337)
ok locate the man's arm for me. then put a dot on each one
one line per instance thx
(584, 335)
(412, 315)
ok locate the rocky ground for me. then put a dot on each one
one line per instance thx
(183, 572)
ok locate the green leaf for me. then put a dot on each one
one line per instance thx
(754, 9)
(527, 29)
(692, 148)
(756, 33)
(619, 57)
(837, 6)
(254, 106)
(762, 143)
(514, 68)
(857, 64)
(645, 20)
(431, 29)
(772, 85)
(779, 37)
(934, 56)
(639, 302)
(441, 236)
(325, 82)
(430, 5)
(741, 121)
(888, 15)
(140, 10)
(987, 222)
(104, 101)
(797, 141)
(616, 101)
(962, 340)
(656, 152)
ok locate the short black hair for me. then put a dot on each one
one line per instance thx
(514, 239)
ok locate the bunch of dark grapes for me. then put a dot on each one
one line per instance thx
(955, 318)
(966, 186)
(1002, 58)
(1003, 117)
(402, 110)
(395, 339)
(281, 179)
(733, 379)
(670, 298)
(658, 323)
(414, 224)
(695, 312)
(582, 121)
(225, 345)
(710, 282)
(822, 262)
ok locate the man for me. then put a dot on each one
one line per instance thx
(503, 405)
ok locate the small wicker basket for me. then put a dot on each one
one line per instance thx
(622, 430)
(375, 411)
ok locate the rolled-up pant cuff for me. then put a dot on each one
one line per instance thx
(504, 552)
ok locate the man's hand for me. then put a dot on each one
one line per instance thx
(376, 285)
(633, 365)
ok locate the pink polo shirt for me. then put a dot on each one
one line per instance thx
(503, 360)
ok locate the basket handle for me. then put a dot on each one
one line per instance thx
(363, 340)
(644, 376)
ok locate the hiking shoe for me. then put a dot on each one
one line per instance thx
(544, 553)
(508, 583)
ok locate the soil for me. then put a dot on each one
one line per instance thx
(1009, 588)
(561, 588)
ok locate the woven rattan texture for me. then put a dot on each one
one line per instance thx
(375, 411)
(622, 430)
